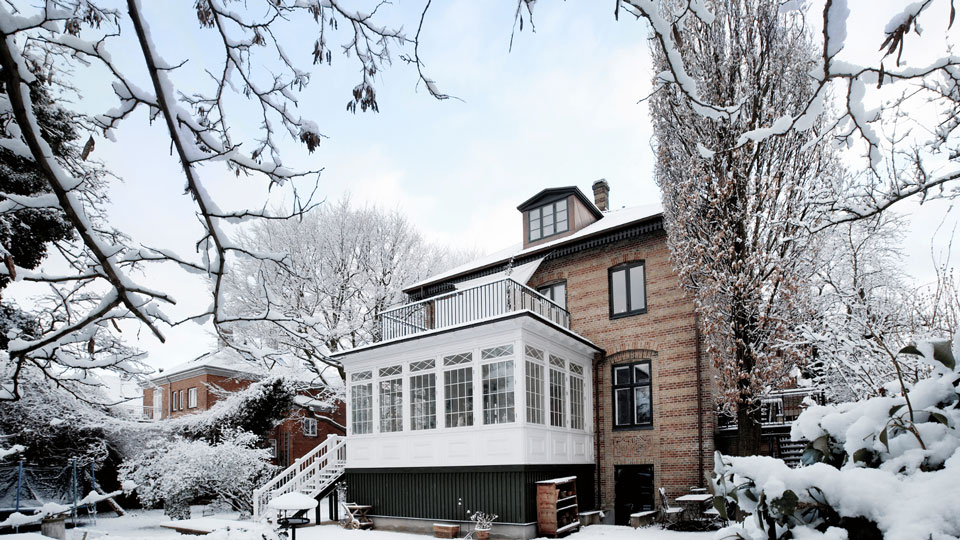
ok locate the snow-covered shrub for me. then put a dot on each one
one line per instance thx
(257, 409)
(176, 472)
(883, 468)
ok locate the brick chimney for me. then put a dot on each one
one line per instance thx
(601, 195)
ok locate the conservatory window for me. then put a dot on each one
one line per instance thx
(423, 401)
(534, 385)
(557, 389)
(391, 402)
(628, 290)
(548, 220)
(576, 396)
(632, 397)
(361, 404)
(310, 427)
(498, 396)
(458, 397)
(192, 397)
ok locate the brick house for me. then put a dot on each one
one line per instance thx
(195, 386)
(572, 353)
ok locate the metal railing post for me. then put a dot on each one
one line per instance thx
(19, 483)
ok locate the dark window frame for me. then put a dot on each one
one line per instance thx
(549, 286)
(625, 267)
(539, 210)
(631, 386)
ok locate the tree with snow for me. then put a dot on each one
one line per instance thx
(735, 220)
(106, 49)
(342, 267)
(897, 108)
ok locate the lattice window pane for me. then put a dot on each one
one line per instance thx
(361, 376)
(534, 353)
(558, 362)
(557, 389)
(458, 397)
(576, 369)
(496, 352)
(456, 359)
(498, 392)
(576, 402)
(391, 405)
(423, 401)
(423, 365)
(390, 371)
(534, 393)
(361, 406)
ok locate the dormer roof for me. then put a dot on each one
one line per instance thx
(555, 194)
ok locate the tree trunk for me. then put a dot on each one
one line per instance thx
(748, 430)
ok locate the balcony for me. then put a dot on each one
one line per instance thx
(467, 306)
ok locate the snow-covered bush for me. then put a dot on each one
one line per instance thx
(176, 472)
(883, 468)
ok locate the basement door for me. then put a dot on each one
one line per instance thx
(632, 491)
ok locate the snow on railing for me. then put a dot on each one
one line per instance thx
(468, 305)
(310, 474)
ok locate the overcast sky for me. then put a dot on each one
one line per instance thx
(561, 109)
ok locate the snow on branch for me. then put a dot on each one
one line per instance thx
(53, 48)
(898, 111)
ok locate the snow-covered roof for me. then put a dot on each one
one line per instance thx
(223, 360)
(611, 220)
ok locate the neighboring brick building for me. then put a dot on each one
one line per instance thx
(196, 385)
(574, 353)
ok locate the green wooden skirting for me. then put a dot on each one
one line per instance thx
(432, 493)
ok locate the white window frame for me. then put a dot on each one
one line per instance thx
(420, 412)
(157, 404)
(554, 369)
(361, 381)
(455, 363)
(390, 414)
(534, 378)
(310, 427)
(192, 398)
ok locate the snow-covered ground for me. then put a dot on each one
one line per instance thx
(145, 524)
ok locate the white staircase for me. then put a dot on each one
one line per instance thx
(310, 474)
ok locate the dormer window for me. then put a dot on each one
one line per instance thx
(548, 220)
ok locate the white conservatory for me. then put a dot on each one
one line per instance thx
(473, 397)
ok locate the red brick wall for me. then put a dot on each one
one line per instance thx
(668, 330)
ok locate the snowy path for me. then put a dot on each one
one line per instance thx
(145, 524)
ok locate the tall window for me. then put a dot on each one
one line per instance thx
(576, 396)
(548, 220)
(391, 399)
(458, 397)
(534, 385)
(628, 290)
(498, 397)
(423, 401)
(557, 390)
(632, 397)
(556, 292)
(361, 403)
(173, 400)
(192, 398)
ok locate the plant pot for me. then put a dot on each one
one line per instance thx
(482, 534)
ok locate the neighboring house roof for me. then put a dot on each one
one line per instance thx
(610, 221)
(555, 194)
(224, 362)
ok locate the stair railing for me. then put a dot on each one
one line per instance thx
(320, 466)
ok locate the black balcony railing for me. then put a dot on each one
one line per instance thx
(466, 306)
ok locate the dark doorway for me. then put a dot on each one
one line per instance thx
(632, 491)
